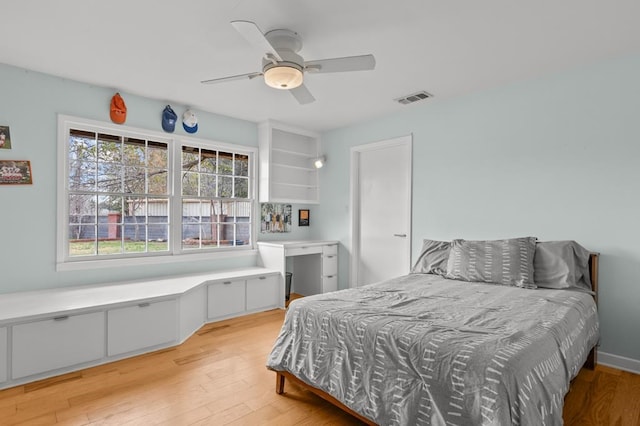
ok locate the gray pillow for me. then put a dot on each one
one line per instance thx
(433, 258)
(562, 264)
(505, 262)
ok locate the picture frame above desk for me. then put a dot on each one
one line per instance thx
(303, 217)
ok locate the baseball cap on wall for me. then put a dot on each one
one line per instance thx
(169, 119)
(118, 110)
(190, 121)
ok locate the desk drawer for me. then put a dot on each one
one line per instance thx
(330, 249)
(329, 264)
(58, 342)
(301, 251)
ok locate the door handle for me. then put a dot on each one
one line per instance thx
(400, 235)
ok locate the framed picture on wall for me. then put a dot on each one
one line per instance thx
(5, 137)
(303, 217)
(15, 172)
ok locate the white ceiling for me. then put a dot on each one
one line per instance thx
(162, 49)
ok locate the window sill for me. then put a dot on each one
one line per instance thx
(152, 260)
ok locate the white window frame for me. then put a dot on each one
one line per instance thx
(175, 253)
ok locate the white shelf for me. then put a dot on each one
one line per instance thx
(286, 170)
(300, 154)
(289, 166)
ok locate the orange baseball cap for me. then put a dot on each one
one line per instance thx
(118, 109)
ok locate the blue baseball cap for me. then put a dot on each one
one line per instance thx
(169, 119)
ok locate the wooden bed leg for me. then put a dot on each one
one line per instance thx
(592, 359)
(279, 383)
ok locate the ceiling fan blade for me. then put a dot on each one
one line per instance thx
(250, 31)
(249, 76)
(349, 63)
(302, 95)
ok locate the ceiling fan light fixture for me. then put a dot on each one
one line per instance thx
(284, 77)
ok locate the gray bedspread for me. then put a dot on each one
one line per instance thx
(421, 349)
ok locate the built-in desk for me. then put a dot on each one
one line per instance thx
(314, 264)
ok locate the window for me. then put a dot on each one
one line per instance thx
(126, 193)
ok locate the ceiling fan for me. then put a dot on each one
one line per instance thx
(283, 68)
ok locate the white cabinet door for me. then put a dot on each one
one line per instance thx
(141, 326)
(57, 343)
(226, 298)
(263, 293)
(3, 354)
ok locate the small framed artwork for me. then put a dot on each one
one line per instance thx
(5, 137)
(303, 217)
(15, 172)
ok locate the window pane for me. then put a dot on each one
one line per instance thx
(157, 153)
(157, 238)
(109, 245)
(228, 210)
(109, 177)
(134, 182)
(82, 240)
(82, 209)
(158, 181)
(82, 175)
(82, 146)
(241, 165)
(158, 212)
(134, 152)
(109, 148)
(227, 235)
(243, 234)
(243, 211)
(208, 161)
(241, 189)
(190, 183)
(225, 163)
(190, 159)
(208, 185)
(109, 204)
(225, 187)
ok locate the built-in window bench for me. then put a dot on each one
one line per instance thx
(50, 332)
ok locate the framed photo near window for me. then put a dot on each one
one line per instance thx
(15, 172)
(5, 137)
(303, 217)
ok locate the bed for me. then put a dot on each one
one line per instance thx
(481, 332)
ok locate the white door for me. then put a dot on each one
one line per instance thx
(381, 210)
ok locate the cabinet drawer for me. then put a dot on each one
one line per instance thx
(329, 264)
(301, 251)
(57, 343)
(263, 293)
(330, 249)
(3, 354)
(141, 326)
(329, 283)
(226, 298)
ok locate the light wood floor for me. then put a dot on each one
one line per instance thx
(218, 377)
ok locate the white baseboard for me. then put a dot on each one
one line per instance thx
(619, 362)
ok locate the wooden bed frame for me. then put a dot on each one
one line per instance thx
(281, 376)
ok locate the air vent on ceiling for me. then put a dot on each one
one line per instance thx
(414, 97)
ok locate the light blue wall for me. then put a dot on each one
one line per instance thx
(30, 103)
(556, 158)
